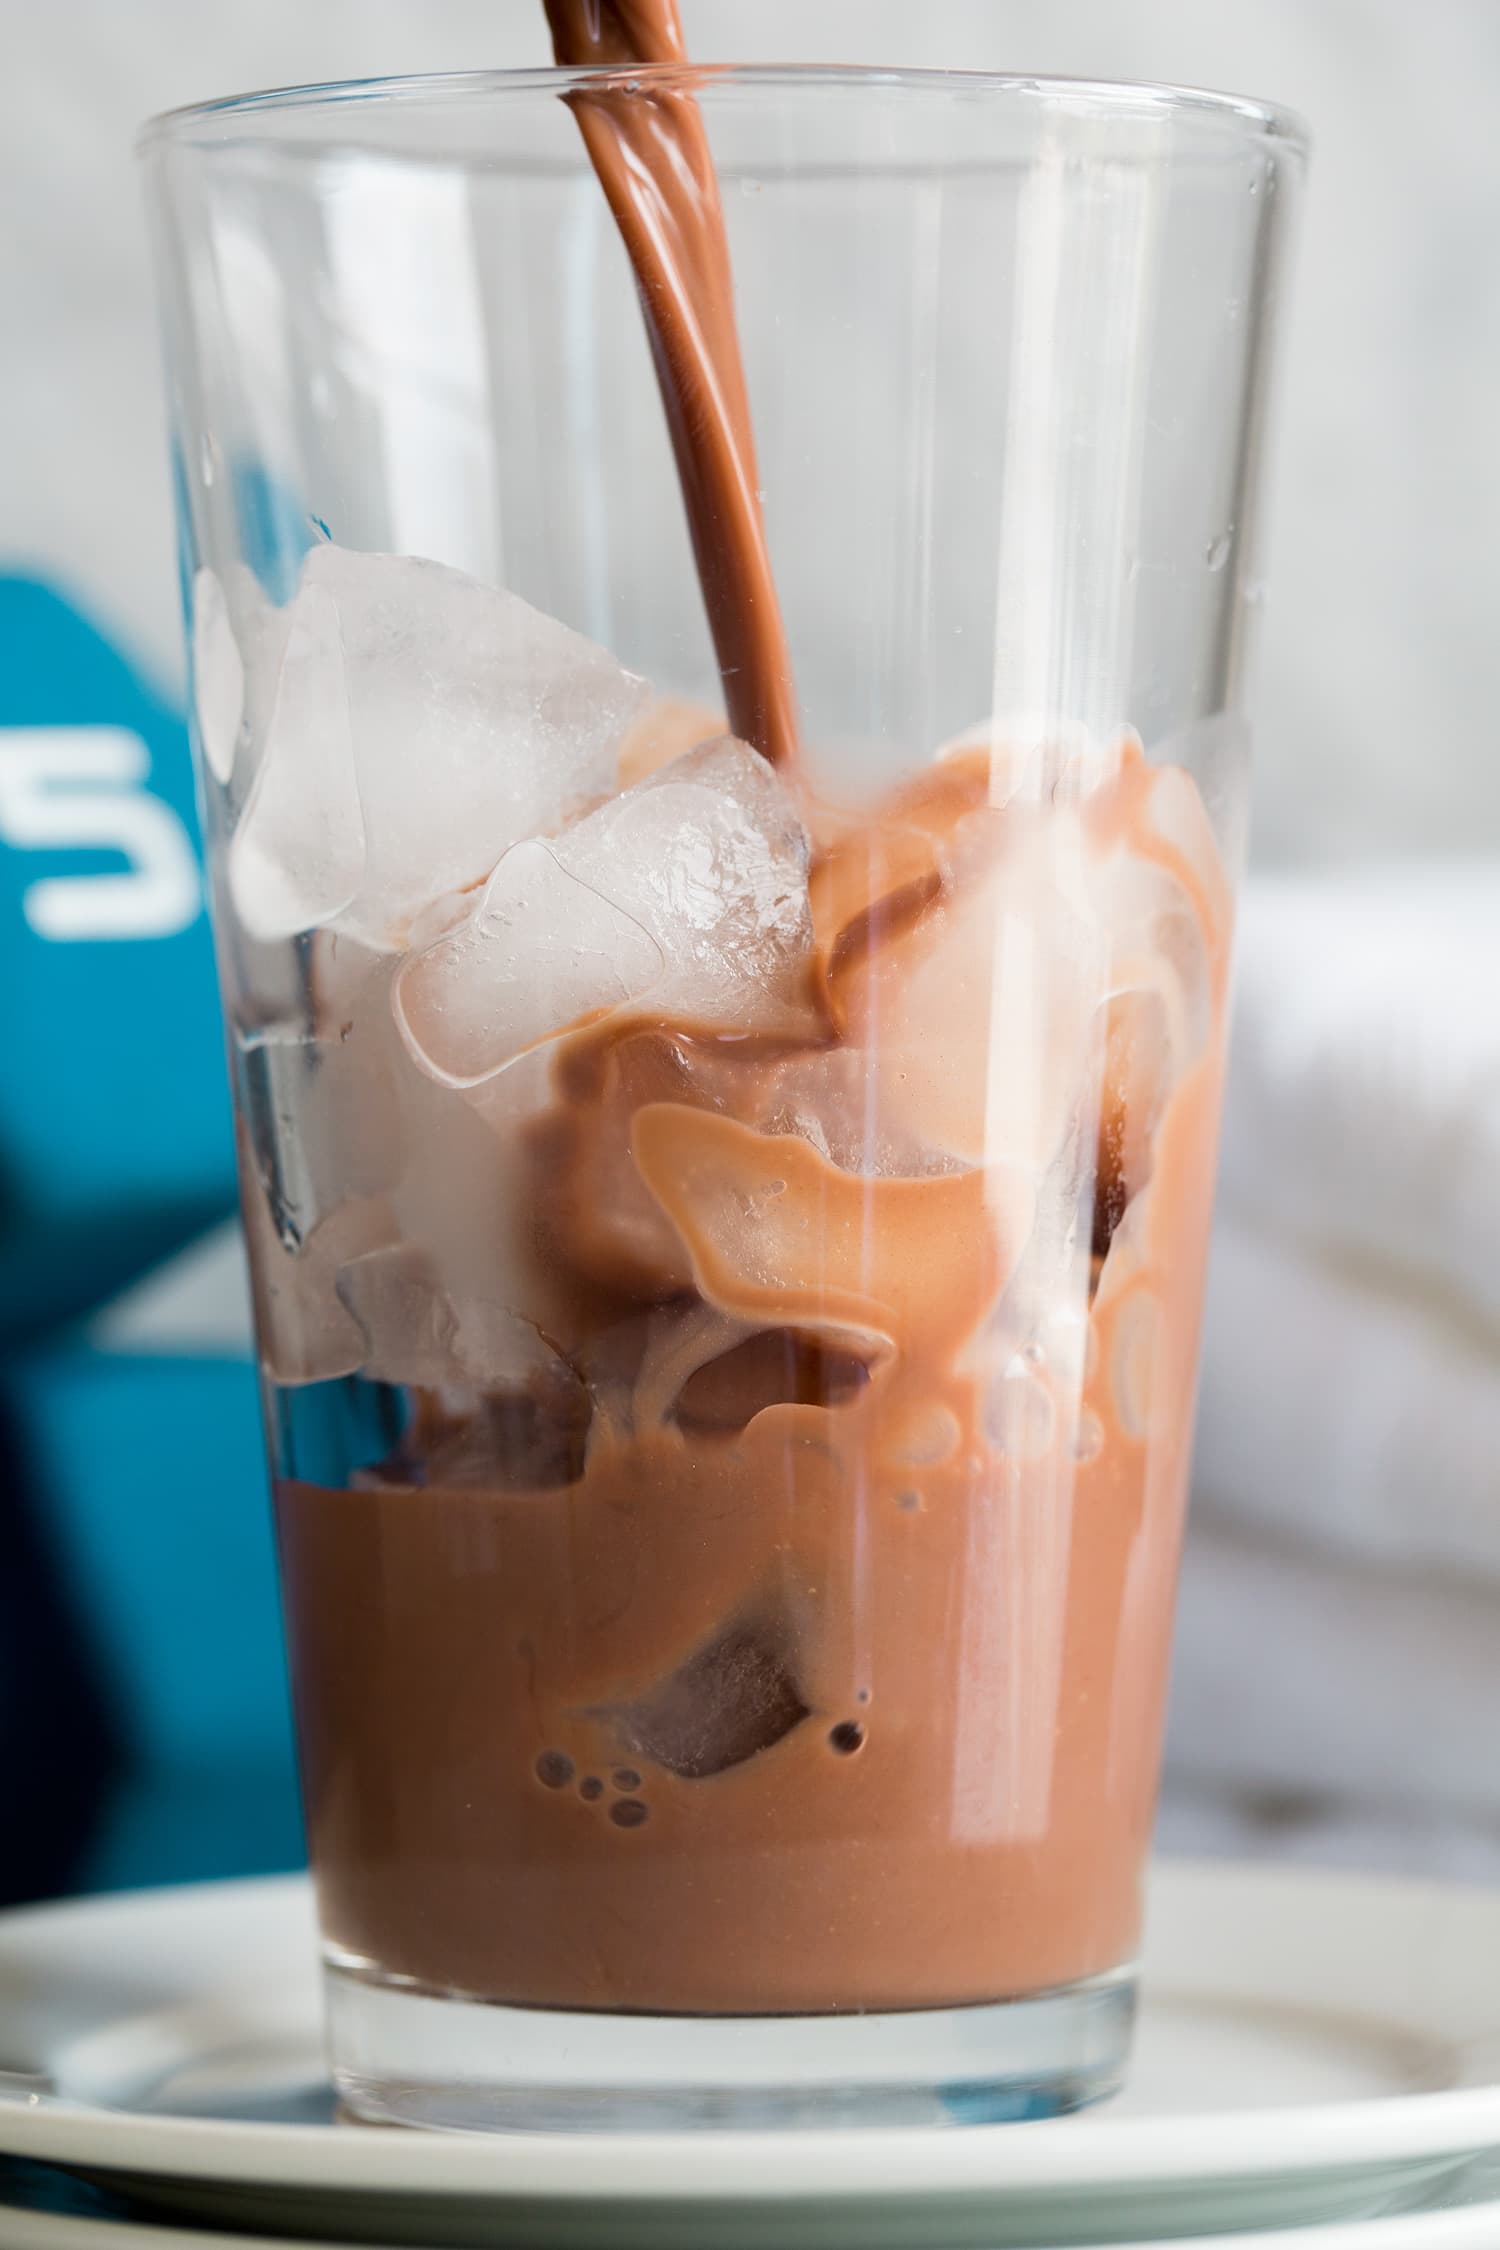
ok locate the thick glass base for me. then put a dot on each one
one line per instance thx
(403, 2055)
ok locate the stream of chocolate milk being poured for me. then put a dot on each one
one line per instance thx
(652, 157)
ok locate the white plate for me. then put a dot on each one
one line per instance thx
(1312, 2048)
(1476, 2227)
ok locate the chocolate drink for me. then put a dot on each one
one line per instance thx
(767, 1610)
(795, 1637)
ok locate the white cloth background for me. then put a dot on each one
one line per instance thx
(1337, 1683)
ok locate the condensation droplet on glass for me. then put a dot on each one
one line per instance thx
(1216, 555)
(208, 460)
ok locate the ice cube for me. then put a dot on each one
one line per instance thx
(297, 858)
(515, 1442)
(260, 631)
(777, 1367)
(832, 1098)
(475, 722)
(776, 1234)
(1040, 1326)
(466, 1194)
(501, 1352)
(524, 1429)
(1158, 947)
(977, 1023)
(689, 889)
(708, 856)
(1203, 766)
(458, 1174)
(318, 1116)
(218, 676)
(306, 1333)
(662, 733)
(419, 1334)
(394, 1294)
(731, 1699)
(538, 951)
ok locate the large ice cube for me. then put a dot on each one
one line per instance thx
(394, 1294)
(663, 732)
(690, 888)
(305, 1331)
(298, 855)
(778, 1236)
(474, 721)
(1158, 948)
(540, 950)
(709, 856)
(977, 1025)
(731, 1699)
(319, 1120)
(459, 1181)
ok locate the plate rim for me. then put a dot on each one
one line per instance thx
(769, 2168)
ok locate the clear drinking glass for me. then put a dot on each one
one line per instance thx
(727, 1241)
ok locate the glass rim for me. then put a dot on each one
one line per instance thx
(219, 122)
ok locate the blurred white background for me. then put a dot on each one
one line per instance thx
(1381, 663)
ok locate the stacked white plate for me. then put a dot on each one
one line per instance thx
(1316, 2053)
